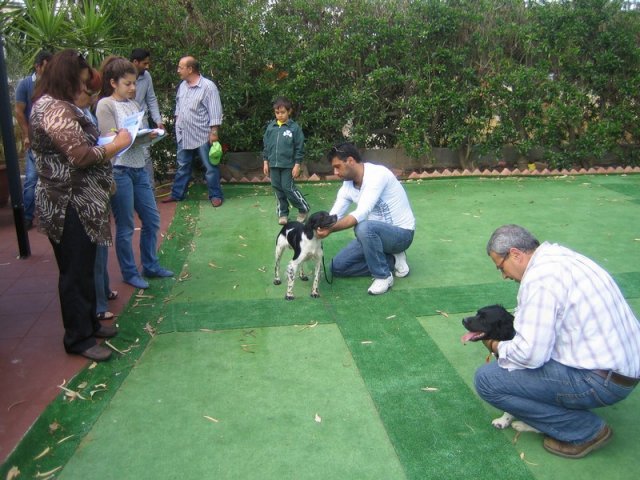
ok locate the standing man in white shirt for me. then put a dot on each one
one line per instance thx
(198, 117)
(576, 347)
(383, 221)
(146, 98)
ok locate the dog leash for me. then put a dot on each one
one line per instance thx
(325, 272)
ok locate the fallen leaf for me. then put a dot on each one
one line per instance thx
(235, 286)
(444, 314)
(13, 473)
(527, 461)
(309, 325)
(516, 437)
(390, 317)
(213, 265)
(65, 439)
(42, 453)
(215, 420)
(53, 427)
(93, 392)
(318, 418)
(241, 237)
(82, 386)
(429, 389)
(110, 345)
(70, 393)
(149, 329)
(366, 342)
(46, 474)
(15, 404)
(262, 269)
(93, 365)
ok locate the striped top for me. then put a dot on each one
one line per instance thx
(570, 310)
(198, 108)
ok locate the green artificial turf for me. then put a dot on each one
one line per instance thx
(387, 375)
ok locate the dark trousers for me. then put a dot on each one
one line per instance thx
(286, 191)
(76, 256)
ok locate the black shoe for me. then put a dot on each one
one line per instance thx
(106, 331)
(97, 353)
(28, 224)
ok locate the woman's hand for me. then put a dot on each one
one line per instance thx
(265, 168)
(123, 139)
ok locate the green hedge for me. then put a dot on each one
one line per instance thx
(559, 76)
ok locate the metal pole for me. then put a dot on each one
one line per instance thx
(11, 156)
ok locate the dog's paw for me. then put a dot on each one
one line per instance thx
(304, 278)
(277, 281)
(289, 297)
(503, 422)
(520, 426)
(315, 295)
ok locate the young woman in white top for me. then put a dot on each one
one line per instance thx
(133, 187)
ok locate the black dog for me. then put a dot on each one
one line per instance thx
(301, 237)
(494, 323)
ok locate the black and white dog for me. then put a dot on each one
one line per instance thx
(301, 237)
(494, 323)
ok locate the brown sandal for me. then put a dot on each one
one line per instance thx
(105, 316)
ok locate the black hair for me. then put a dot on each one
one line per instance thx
(283, 102)
(344, 151)
(139, 54)
(41, 57)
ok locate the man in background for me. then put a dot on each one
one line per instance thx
(24, 92)
(198, 117)
(146, 97)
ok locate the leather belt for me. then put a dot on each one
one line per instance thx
(617, 378)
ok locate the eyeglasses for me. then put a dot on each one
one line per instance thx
(500, 266)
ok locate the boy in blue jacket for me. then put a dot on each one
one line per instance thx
(283, 152)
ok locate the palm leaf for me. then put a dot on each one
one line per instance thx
(92, 25)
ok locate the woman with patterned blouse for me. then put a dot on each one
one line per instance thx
(72, 195)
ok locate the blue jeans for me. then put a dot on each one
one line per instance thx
(371, 253)
(29, 187)
(134, 192)
(554, 398)
(183, 175)
(101, 278)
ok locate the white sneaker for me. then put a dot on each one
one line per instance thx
(302, 216)
(402, 267)
(381, 285)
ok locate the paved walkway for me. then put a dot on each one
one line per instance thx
(32, 359)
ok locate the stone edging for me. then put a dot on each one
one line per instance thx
(506, 172)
